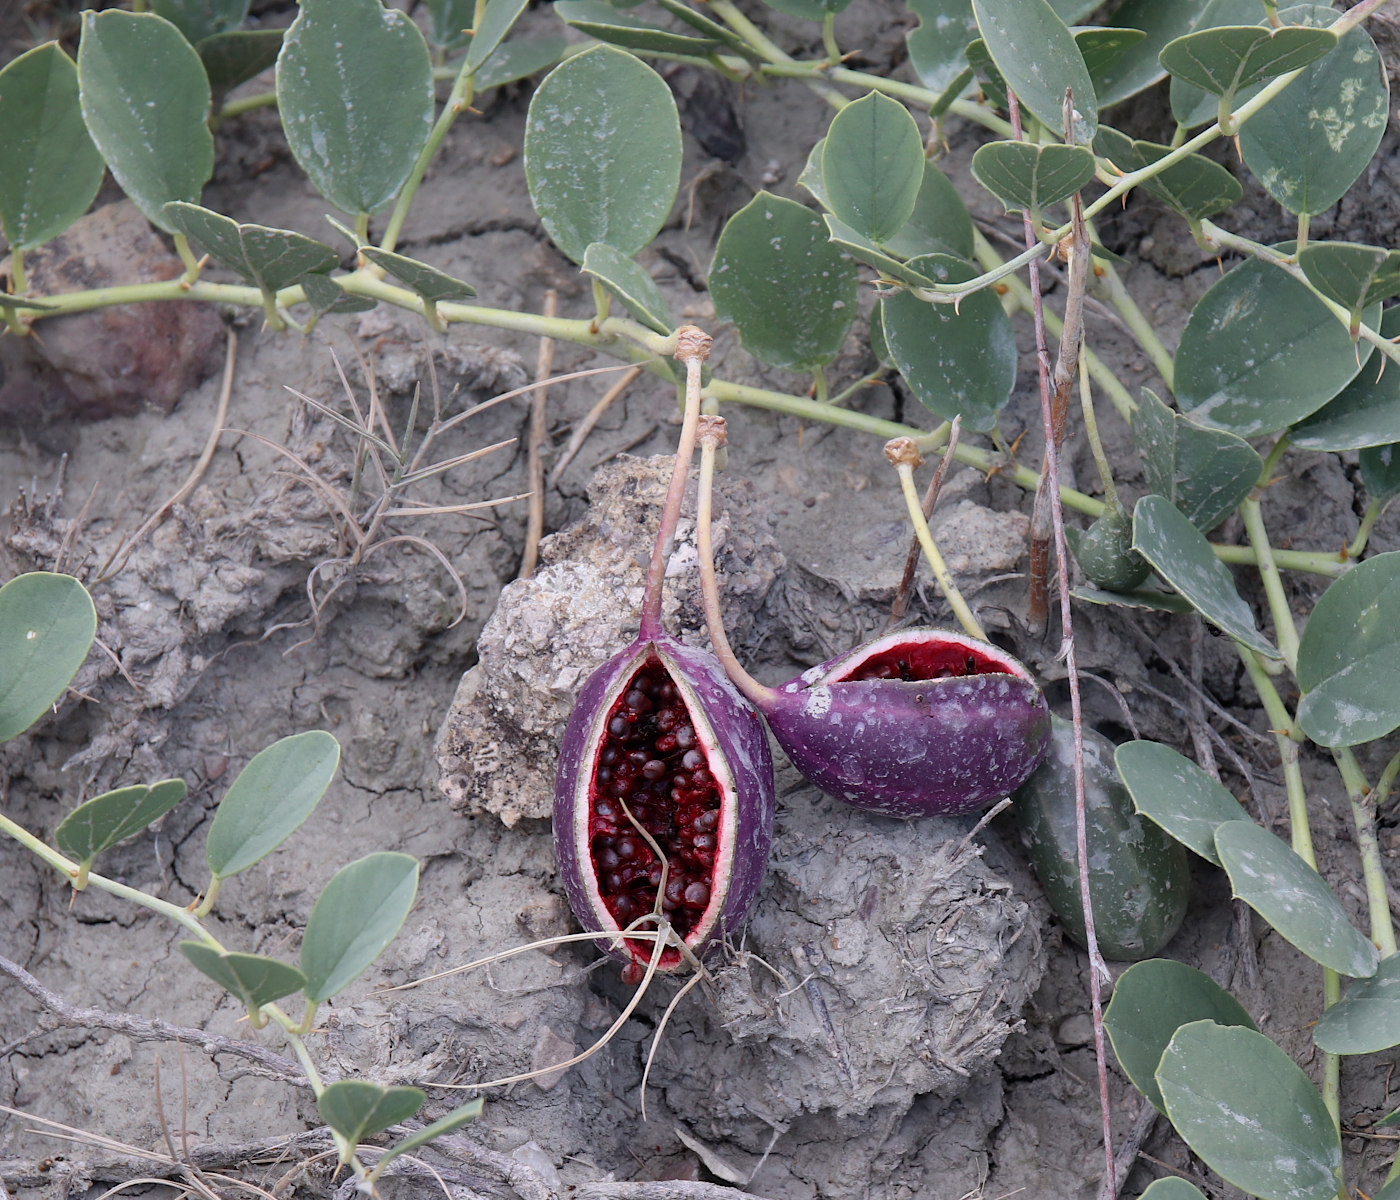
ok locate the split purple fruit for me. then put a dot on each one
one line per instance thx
(662, 753)
(917, 723)
(664, 798)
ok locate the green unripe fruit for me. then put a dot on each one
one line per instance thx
(1107, 556)
(1138, 875)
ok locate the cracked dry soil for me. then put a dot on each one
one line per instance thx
(902, 1018)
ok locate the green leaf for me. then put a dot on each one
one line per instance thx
(1102, 45)
(1181, 555)
(1148, 598)
(47, 623)
(1036, 54)
(357, 915)
(49, 169)
(873, 166)
(630, 284)
(1194, 186)
(1026, 177)
(1367, 413)
(1367, 1019)
(199, 19)
(430, 283)
(939, 224)
(956, 361)
(355, 89)
(988, 77)
(271, 797)
(324, 295)
(937, 44)
(1224, 60)
(1171, 1188)
(1138, 68)
(1260, 352)
(864, 250)
(110, 818)
(253, 979)
(1313, 141)
(1349, 656)
(811, 177)
(519, 59)
(1274, 881)
(454, 1120)
(601, 20)
(788, 290)
(1189, 104)
(1171, 790)
(1204, 472)
(1151, 1001)
(357, 1109)
(602, 152)
(271, 259)
(448, 22)
(1354, 276)
(236, 57)
(496, 22)
(1250, 1113)
(1380, 471)
(145, 100)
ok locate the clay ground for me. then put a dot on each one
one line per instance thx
(904, 1019)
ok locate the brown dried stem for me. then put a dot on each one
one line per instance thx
(534, 446)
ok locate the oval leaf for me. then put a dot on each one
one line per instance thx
(1222, 61)
(1380, 471)
(1314, 140)
(491, 30)
(107, 819)
(357, 1109)
(1274, 881)
(602, 152)
(1204, 472)
(939, 224)
(1183, 557)
(357, 915)
(1250, 1113)
(145, 100)
(1191, 105)
(430, 283)
(630, 284)
(49, 169)
(873, 166)
(1036, 54)
(1138, 67)
(1171, 790)
(601, 20)
(1151, 1001)
(1171, 1188)
(47, 623)
(788, 290)
(1349, 657)
(254, 980)
(1025, 177)
(271, 259)
(355, 90)
(936, 46)
(199, 19)
(1367, 1019)
(454, 1120)
(1367, 413)
(1298, 355)
(271, 797)
(956, 361)
(237, 56)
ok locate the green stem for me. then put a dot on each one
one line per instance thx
(1363, 531)
(602, 303)
(1332, 1063)
(941, 573)
(1091, 431)
(833, 51)
(1363, 815)
(1284, 627)
(71, 871)
(1136, 320)
(182, 248)
(1387, 780)
(17, 280)
(774, 54)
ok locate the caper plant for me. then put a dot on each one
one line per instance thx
(1285, 350)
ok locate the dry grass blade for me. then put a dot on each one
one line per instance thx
(534, 449)
(448, 463)
(530, 387)
(422, 510)
(332, 497)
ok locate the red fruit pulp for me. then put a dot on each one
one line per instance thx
(924, 659)
(651, 764)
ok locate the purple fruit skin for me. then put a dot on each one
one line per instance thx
(922, 748)
(741, 742)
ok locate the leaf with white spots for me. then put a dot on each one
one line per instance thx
(47, 623)
(1181, 555)
(1250, 1113)
(1314, 140)
(1261, 351)
(1036, 54)
(1367, 1019)
(788, 290)
(1349, 657)
(1174, 792)
(1276, 883)
(602, 152)
(355, 90)
(1366, 414)
(873, 166)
